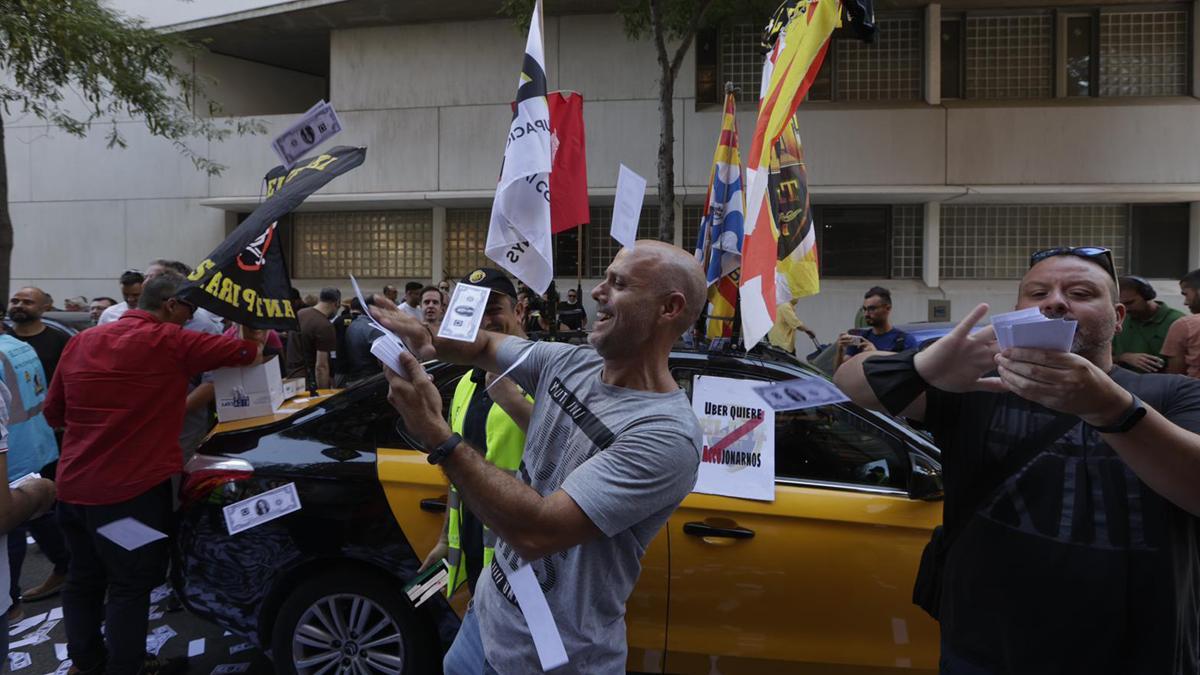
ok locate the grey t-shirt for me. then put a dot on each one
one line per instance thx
(627, 458)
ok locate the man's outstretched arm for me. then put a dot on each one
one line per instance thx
(535, 526)
(955, 363)
(422, 339)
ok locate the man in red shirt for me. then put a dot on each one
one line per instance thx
(119, 391)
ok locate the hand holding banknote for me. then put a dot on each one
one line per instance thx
(416, 335)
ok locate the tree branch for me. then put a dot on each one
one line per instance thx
(693, 27)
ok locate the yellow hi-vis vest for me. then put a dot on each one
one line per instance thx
(505, 445)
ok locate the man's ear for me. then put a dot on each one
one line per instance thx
(674, 306)
(1119, 309)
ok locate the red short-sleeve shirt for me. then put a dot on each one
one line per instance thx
(120, 391)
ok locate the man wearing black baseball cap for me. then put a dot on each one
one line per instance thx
(493, 421)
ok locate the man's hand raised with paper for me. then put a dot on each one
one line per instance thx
(960, 360)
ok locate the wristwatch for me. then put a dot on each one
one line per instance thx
(1132, 415)
(441, 452)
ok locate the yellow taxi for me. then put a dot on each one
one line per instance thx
(819, 580)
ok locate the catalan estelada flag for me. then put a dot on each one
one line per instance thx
(719, 246)
(789, 71)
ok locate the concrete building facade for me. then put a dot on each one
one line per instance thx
(939, 157)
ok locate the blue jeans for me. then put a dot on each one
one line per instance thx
(466, 654)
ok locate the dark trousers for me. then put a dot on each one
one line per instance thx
(99, 566)
(49, 539)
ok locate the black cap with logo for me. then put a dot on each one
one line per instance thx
(493, 279)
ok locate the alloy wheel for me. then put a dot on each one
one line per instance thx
(347, 634)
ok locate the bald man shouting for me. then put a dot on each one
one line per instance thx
(611, 450)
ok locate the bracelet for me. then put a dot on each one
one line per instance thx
(895, 380)
(442, 451)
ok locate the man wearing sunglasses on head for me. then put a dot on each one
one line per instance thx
(1072, 536)
(119, 392)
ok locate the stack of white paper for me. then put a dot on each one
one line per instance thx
(1029, 328)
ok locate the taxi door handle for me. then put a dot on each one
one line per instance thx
(706, 530)
(434, 505)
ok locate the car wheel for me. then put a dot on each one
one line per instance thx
(348, 622)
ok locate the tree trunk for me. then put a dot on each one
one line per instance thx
(666, 156)
(6, 226)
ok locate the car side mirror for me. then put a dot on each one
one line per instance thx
(925, 479)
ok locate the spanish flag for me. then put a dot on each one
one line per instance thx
(789, 71)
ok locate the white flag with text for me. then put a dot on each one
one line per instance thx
(519, 231)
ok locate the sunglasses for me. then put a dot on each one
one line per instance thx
(1097, 254)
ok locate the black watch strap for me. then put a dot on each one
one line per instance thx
(1132, 415)
(441, 452)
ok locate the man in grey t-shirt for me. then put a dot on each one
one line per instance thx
(612, 449)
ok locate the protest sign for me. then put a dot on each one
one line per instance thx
(738, 458)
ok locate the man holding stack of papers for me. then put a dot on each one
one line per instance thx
(1072, 517)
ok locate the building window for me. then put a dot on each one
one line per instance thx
(567, 251)
(1144, 53)
(466, 235)
(887, 70)
(1009, 56)
(1079, 56)
(367, 244)
(692, 217)
(741, 60)
(853, 240)
(994, 241)
(890, 69)
(952, 58)
(601, 248)
(908, 241)
(1159, 240)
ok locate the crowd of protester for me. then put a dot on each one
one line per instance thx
(106, 418)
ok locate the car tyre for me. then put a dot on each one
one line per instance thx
(355, 623)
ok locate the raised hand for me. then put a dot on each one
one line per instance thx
(959, 361)
(418, 402)
(416, 335)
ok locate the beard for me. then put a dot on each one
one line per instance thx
(20, 316)
(1092, 338)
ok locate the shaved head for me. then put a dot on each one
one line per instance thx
(673, 270)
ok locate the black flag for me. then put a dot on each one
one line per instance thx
(245, 278)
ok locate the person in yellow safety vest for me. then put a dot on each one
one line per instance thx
(496, 420)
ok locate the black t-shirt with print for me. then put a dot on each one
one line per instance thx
(1073, 565)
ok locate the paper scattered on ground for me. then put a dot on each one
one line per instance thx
(241, 647)
(158, 637)
(261, 508)
(226, 668)
(55, 614)
(129, 533)
(37, 637)
(63, 668)
(159, 594)
(18, 660)
(25, 624)
(195, 647)
(60, 651)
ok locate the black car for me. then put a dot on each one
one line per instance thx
(321, 588)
